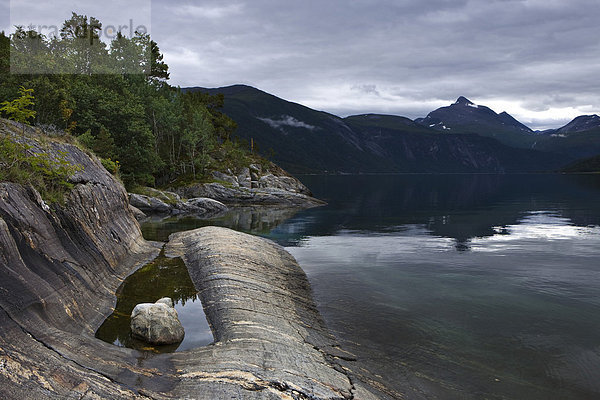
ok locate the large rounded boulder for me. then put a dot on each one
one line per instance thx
(157, 323)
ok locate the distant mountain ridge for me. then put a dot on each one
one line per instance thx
(464, 115)
(461, 137)
(581, 124)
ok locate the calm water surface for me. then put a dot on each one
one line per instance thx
(163, 277)
(452, 286)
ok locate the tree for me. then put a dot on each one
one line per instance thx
(158, 68)
(18, 109)
(80, 42)
(159, 134)
(4, 55)
(197, 141)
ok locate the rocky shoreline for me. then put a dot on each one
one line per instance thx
(253, 186)
(60, 266)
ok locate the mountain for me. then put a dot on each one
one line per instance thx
(577, 140)
(573, 146)
(309, 141)
(464, 116)
(580, 124)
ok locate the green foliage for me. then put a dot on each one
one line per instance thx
(19, 109)
(48, 174)
(110, 165)
(86, 139)
(234, 156)
(158, 134)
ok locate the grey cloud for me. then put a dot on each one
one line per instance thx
(528, 52)
(390, 56)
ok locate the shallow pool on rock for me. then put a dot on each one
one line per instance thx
(163, 277)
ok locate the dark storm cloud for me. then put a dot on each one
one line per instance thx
(537, 59)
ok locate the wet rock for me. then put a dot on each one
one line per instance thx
(157, 323)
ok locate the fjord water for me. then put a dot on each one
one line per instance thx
(451, 286)
(460, 286)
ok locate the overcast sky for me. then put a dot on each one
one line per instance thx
(539, 60)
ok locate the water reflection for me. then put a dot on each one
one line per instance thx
(164, 277)
(514, 313)
(259, 220)
(515, 317)
(461, 207)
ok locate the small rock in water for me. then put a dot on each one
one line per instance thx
(157, 323)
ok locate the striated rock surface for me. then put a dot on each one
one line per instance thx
(157, 323)
(59, 269)
(270, 340)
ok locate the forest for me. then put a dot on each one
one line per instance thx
(116, 100)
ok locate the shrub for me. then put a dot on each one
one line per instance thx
(46, 173)
(110, 165)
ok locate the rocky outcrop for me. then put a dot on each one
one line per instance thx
(137, 213)
(167, 203)
(60, 266)
(149, 204)
(255, 185)
(59, 269)
(157, 323)
(241, 196)
(270, 339)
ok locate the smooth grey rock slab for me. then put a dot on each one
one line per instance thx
(149, 204)
(205, 206)
(270, 340)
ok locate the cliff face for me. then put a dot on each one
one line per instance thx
(59, 269)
